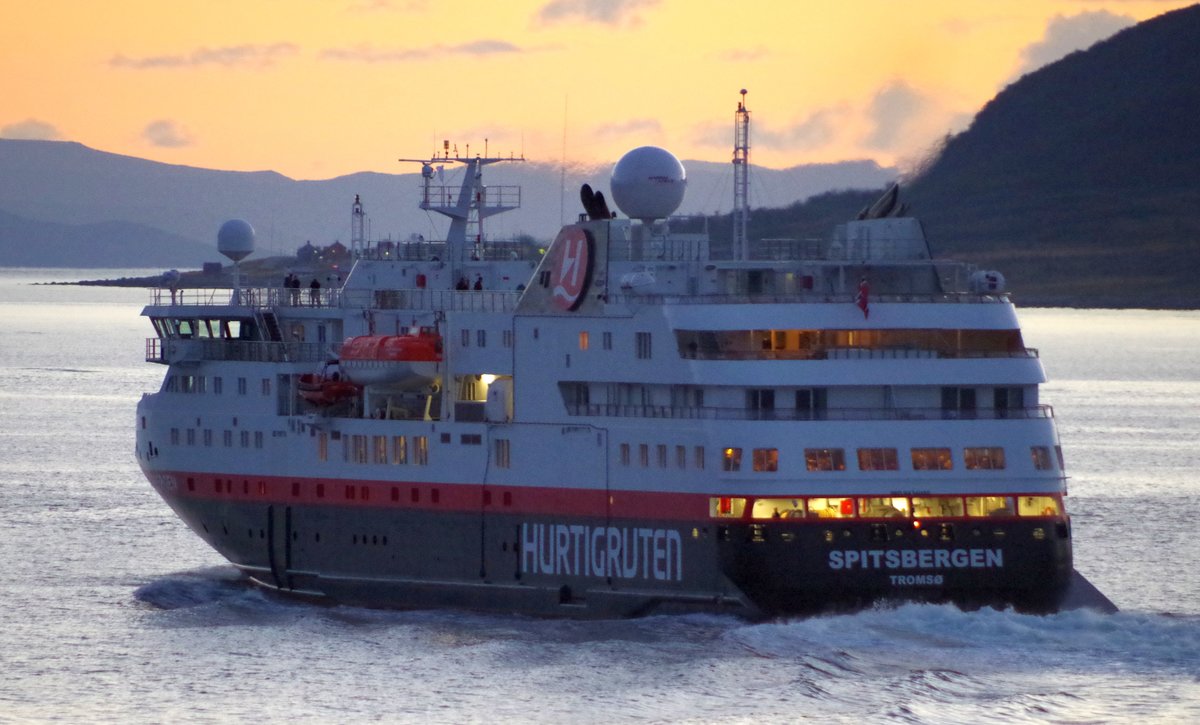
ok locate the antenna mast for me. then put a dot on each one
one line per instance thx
(741, 180)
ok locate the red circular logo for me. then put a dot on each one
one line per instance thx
(572, 269)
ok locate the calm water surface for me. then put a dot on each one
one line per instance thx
(114, 612)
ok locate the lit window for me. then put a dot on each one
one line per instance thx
(766, 459)
(1037, 506)
(990, 506)
(883, 508)
(877, 459)
(732, 459)
(825, 459)
(380, 449)
(726, 507)
(503, 453)
(777, 508)
(978, 459)
(937, 506)
(931, 459)
(322, 446)
(1041, 458)
(399, 450)
(421, 450)
(583, 341)
(831, 508)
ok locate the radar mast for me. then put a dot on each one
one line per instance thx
(741, 180)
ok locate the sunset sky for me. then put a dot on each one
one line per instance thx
(319, 88)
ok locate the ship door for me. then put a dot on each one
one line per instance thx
(279, 544)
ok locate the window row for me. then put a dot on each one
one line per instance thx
(664, 456)
(977, 458)
(199, 384)
(187, 436)
(389, 450)
(884, 507)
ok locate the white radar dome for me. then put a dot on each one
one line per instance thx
(648, 183)
(236, 239)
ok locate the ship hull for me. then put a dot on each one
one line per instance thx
(387, 554)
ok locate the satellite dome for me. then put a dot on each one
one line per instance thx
(236, 239)
(648, 183)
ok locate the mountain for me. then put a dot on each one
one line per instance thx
(67, 183)
(28, 243)
(1081, 181)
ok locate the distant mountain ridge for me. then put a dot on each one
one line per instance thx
(1081, 181)
(66, 183)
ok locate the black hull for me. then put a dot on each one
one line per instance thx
(589, 567)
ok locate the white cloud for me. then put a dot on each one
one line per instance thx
(166, 134)
(641, 127)
(1065, 35)
(609, 12)
(370, 54)
(894, 113)
(31, 129)
(229, 56)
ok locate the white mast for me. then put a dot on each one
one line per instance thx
(741, 180)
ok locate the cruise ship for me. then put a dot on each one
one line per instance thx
(636, 420)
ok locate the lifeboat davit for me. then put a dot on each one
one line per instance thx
(410, 360)
(322, 389)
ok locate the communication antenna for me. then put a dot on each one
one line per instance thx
(741, 180)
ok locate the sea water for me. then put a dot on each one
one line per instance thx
(112, 611)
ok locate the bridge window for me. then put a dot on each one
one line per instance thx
(877, 459)
(825, 459)
(979, 459)
(1041, 458)
(766, 459)
(931, 459)
(732, 459)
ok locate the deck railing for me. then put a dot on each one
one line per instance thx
(797, 414)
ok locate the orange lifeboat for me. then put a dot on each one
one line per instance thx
(409, 360)
(322, 389)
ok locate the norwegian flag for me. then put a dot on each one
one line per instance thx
(860, 299)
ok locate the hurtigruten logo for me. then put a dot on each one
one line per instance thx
(602, 551)
(572, 269)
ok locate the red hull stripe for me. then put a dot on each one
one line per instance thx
(456, 497)
(443, 497)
